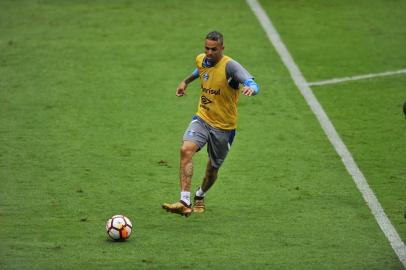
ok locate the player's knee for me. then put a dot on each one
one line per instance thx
(186, 151)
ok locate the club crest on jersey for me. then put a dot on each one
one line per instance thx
(205, 76)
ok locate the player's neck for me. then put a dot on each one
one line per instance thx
(212, 63)
(221, 57)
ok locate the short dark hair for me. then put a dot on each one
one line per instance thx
(216, 36)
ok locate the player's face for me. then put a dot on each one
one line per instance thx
(213, 50)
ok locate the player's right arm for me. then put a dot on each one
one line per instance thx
(180, 91)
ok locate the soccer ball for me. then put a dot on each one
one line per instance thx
(119, 227)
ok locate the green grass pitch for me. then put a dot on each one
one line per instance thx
(90, 127)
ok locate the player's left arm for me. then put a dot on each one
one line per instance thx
(250, 87)
(237, 73)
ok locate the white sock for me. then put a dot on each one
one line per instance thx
(185, 197)
(200, 192)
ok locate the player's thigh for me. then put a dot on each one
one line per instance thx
(219, 145)
(196, 133)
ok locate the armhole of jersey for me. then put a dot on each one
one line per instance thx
(199, 60)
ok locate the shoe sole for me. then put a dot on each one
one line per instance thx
(198, 210)
(175, 211)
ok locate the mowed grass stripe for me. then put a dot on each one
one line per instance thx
(342, 150)
(335, 38)
(377, 142)
(91, 128)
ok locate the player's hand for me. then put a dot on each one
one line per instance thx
(247, 91)
(181, 90)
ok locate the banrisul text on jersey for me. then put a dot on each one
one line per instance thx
(218, 100)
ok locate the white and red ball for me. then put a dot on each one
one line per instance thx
(119, 227)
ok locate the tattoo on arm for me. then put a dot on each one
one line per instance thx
(189, 79)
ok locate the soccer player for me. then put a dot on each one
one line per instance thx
(222, 80)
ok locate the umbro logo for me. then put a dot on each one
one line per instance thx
(205, 100)
(205, 76)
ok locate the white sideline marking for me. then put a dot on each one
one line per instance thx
(341, 149)
(355, 78)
